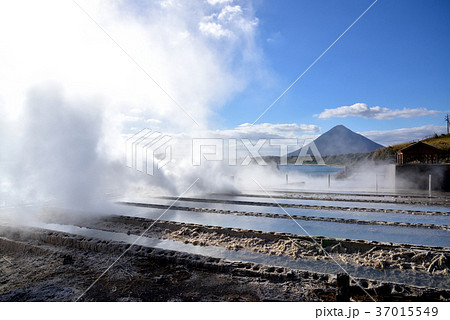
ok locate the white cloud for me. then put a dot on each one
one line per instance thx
(230, 13)
(254, 132)
(128, 118)
(153, 121)
(214, 2)
(182, 142)
(270, 129)
(363, 110)
(301, 132)
(274, 38)
(231, 22)
(215, 30)
(391, 137)
(136, 110)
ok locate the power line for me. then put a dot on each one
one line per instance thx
(315, 61)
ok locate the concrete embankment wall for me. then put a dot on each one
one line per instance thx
(416, 176)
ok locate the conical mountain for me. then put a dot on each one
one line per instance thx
(341, 140)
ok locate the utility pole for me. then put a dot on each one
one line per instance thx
(447, 119)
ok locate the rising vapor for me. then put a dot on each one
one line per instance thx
(69, 94)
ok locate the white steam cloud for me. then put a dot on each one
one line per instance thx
(68, 92)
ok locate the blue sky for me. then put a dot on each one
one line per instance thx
(395, 57)
(226, 61)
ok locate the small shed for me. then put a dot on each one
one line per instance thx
(418, 152)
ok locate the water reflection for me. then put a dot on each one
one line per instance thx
(429, 237)
(354, 214)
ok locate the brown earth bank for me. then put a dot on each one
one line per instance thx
(38, 265)
(426, 259)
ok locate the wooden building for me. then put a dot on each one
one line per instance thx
(418, 152)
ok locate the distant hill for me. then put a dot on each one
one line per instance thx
(389, 153)
(339, 141)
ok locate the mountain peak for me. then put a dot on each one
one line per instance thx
(339, 127)
(341, 140)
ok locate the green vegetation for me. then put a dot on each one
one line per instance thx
(442, 142)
